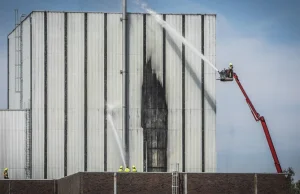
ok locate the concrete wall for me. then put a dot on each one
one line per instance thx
(28, 186)
(144, 183)
(152, 183)
(87, 183)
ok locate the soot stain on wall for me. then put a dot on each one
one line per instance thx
(154, 120)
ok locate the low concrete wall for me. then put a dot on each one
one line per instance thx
(86, 183)
(97, 183)
(220, 183)
(69, 185)
(28, 186)
(151, 183)
(272, 183)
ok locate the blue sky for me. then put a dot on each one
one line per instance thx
(261, 39)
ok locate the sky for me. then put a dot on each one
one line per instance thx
(260, 38)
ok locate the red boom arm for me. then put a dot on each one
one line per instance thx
(257, 117)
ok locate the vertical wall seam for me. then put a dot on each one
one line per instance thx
(183, 96)
(115, 183)
(7, 72)
(30, 142)
(202, 94)
(55, 186)
(125, 58)
(185, 184)
(66, 95)
(164, 55)
(45, 95)
(164, 87)
(255, 183)
(144, 64)
(105, 91)
(26, 140)
(80, 182)
(85, 91)
(21, 66)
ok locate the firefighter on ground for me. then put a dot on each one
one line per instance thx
(230, 71)
(5, 173)
(133, 169)
(120, 169)
(127, 169)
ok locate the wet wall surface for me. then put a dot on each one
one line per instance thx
(154, 120)
(148, 183)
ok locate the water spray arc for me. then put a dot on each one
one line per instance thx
(118, 140)
(174, 33)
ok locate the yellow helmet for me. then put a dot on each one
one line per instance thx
(133, 166)
(121, 166)
(5, 169)
(230, 64)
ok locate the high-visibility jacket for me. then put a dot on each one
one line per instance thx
(127, 170)
(134, 170)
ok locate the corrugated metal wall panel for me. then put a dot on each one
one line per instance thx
(55, 91)
(95, 91)
(210, 94)
(3, 149)
(154, 104)
(75, 92)
(135, 58)
(14, 59)
(38, 95)
(154, 43)
(26, 63)
(174, 92)
(12, 130)
(11, 59)
(193, 92)
(172, 100)
(114, 89)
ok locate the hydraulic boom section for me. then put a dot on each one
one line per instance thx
(224, 77)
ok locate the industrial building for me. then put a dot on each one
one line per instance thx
(65, 76)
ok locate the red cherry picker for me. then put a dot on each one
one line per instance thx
(229, 75)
